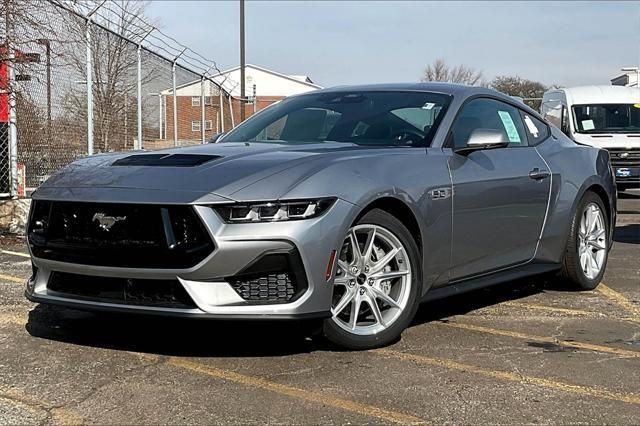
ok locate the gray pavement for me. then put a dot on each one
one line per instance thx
(527, 351)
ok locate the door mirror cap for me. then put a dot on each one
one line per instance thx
(216, 137)
(484, 139)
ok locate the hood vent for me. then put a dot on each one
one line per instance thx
(165, 160)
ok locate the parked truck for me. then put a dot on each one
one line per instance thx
(602, 116)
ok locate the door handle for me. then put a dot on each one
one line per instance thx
(537, 174)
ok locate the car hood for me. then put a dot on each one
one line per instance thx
(609, 141)
(223, 170)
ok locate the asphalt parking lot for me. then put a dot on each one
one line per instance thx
(526, 351)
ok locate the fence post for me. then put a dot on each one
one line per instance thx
(159, 115)
(13, 130)
(175, 104)
(138, 144)
(233, 120)
(202, 117)
(139, 138)
(175, 98)
(89, 91)
(221, 110)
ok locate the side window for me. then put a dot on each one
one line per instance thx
(485, 113)
(537, 131)
(552, 112)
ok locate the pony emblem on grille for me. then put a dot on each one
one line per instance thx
(106, 222)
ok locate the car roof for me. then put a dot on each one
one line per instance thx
(458, 90)
(447, 88)
(600, 94)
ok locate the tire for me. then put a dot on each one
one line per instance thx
(362, 281)
(573, 268)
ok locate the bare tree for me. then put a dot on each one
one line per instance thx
(440, 71)
(114, 70)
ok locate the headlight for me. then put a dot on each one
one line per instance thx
(274, 211)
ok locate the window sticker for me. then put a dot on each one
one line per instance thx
(588, 125)
(507, 122)
(531, 126)
(428, 105)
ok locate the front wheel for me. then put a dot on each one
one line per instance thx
(377, 283)
(587, 245)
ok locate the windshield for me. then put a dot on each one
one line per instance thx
(607, 118)
(363, 118)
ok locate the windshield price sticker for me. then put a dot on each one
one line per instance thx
(509, 127)
(588, 125)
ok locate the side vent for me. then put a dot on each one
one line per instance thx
(165, 160)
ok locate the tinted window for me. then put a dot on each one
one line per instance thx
(489, 114)
(537, 130)
(364, 118)
(607, 118)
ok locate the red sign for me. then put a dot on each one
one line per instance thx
(4, 79)
(4, 85)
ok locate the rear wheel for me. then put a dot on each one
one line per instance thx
(377, 284)
(587, 245)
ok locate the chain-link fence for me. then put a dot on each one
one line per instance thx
(92, 77)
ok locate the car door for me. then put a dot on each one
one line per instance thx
(500, 195)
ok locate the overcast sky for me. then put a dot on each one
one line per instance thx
(566, 43)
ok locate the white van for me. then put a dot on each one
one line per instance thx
(602, 116)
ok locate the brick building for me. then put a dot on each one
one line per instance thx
(270, 86)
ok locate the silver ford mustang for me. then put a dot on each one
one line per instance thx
(352, 204)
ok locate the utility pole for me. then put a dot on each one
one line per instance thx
(242, 82)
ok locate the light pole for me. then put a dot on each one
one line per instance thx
(636, 70)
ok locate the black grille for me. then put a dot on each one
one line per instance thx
(266, 288)
(120, 235)
(624, 157)
(276, 277)
(126, 291)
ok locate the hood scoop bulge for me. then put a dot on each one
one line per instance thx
(165, 160)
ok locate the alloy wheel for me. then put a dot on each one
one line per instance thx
(592, 241)
(372, 282)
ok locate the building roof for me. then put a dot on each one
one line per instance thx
(629, 78)
(231, 84)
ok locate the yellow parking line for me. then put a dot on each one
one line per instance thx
(317, 397)
(618, 298)
(567, 311)
(513, 377)
(12, 279)
(20, 399)
(15, 253)
(13, 318)
(542, 339)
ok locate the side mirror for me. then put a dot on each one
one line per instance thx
(216, 137)
(484, 139)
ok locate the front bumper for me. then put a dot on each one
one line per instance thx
(237, 246)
